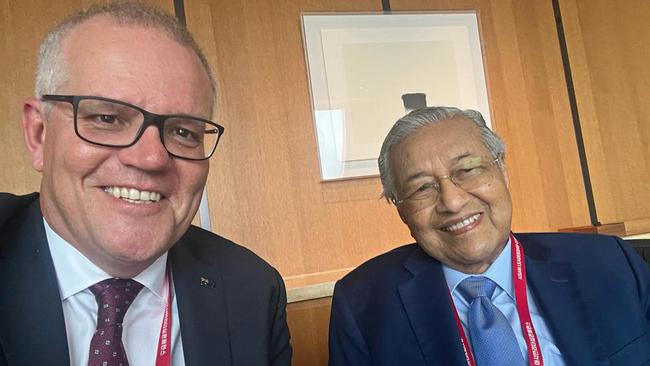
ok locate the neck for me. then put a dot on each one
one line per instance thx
(477, 267)
(123, 270)
(472, 269)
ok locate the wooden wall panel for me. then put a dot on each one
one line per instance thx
(23, 24)
(264, 187)
(609, 50)
(309, 323)
(530, 108)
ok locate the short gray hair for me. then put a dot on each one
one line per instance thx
(52, 70)
(419, 118)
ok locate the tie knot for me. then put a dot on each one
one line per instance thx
(114, 296)
(474, 287)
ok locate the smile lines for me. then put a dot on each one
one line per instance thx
(133, 195)
(460, 225)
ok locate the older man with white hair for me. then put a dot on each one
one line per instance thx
(469, 291)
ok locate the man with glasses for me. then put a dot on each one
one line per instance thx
(469, 292)
(103, 267)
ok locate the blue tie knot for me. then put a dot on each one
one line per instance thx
(492, 338)
(475, 287)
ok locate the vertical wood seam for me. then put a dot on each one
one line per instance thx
(179, 11)
(593, 215)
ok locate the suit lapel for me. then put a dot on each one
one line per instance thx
(562, 305)
(201, 306)
(429, 311)
(33, 327)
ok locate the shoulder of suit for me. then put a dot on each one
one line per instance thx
(384, 266)
(212, 247)
(563, 239)
(568, 246)
(12, 205)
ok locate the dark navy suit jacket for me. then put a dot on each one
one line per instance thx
(593, 291)
(236, 317)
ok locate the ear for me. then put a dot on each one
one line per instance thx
(34, 131)
(504, 173)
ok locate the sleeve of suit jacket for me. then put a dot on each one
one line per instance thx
(642, 276)
(281, 350)
(635, 351)
(346, 344)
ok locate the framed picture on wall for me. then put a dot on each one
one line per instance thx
(367, 70)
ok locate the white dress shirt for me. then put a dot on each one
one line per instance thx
(503, 298)
(141, 326)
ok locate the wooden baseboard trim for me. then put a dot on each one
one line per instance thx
(313, 285)
(625, 228)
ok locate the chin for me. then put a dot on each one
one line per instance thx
(128, 252)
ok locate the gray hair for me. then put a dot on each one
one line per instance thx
(52, 71)
(419, 118)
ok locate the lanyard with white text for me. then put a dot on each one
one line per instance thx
(163, 353)
(521, 300)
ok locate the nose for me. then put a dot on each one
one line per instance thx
(148, 153)
(451, 199)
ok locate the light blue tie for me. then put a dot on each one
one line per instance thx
(492, 338)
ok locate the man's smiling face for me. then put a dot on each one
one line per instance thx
(146, 68)
(465, 230)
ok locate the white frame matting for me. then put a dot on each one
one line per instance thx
(360, 65)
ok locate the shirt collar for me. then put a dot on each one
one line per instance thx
(75, 272)
(500, 271)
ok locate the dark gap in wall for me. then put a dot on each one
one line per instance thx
(574, 113)
(179, 10)
(385, 5)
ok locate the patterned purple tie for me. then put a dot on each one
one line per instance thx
(113, 296)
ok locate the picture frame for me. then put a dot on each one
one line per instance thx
(366, 70)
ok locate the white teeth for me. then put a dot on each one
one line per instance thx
(133, 195)
(459, 225)
(144, 195)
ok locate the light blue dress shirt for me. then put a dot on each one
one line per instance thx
(503, 298)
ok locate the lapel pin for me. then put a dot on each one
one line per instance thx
(205, 282)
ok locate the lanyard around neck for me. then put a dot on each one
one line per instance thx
(521, 301)
(163, 354)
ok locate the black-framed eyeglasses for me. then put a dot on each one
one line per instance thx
(472, 173)
(113, 123)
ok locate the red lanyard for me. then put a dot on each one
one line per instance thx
(163, 355)
(521, 300)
